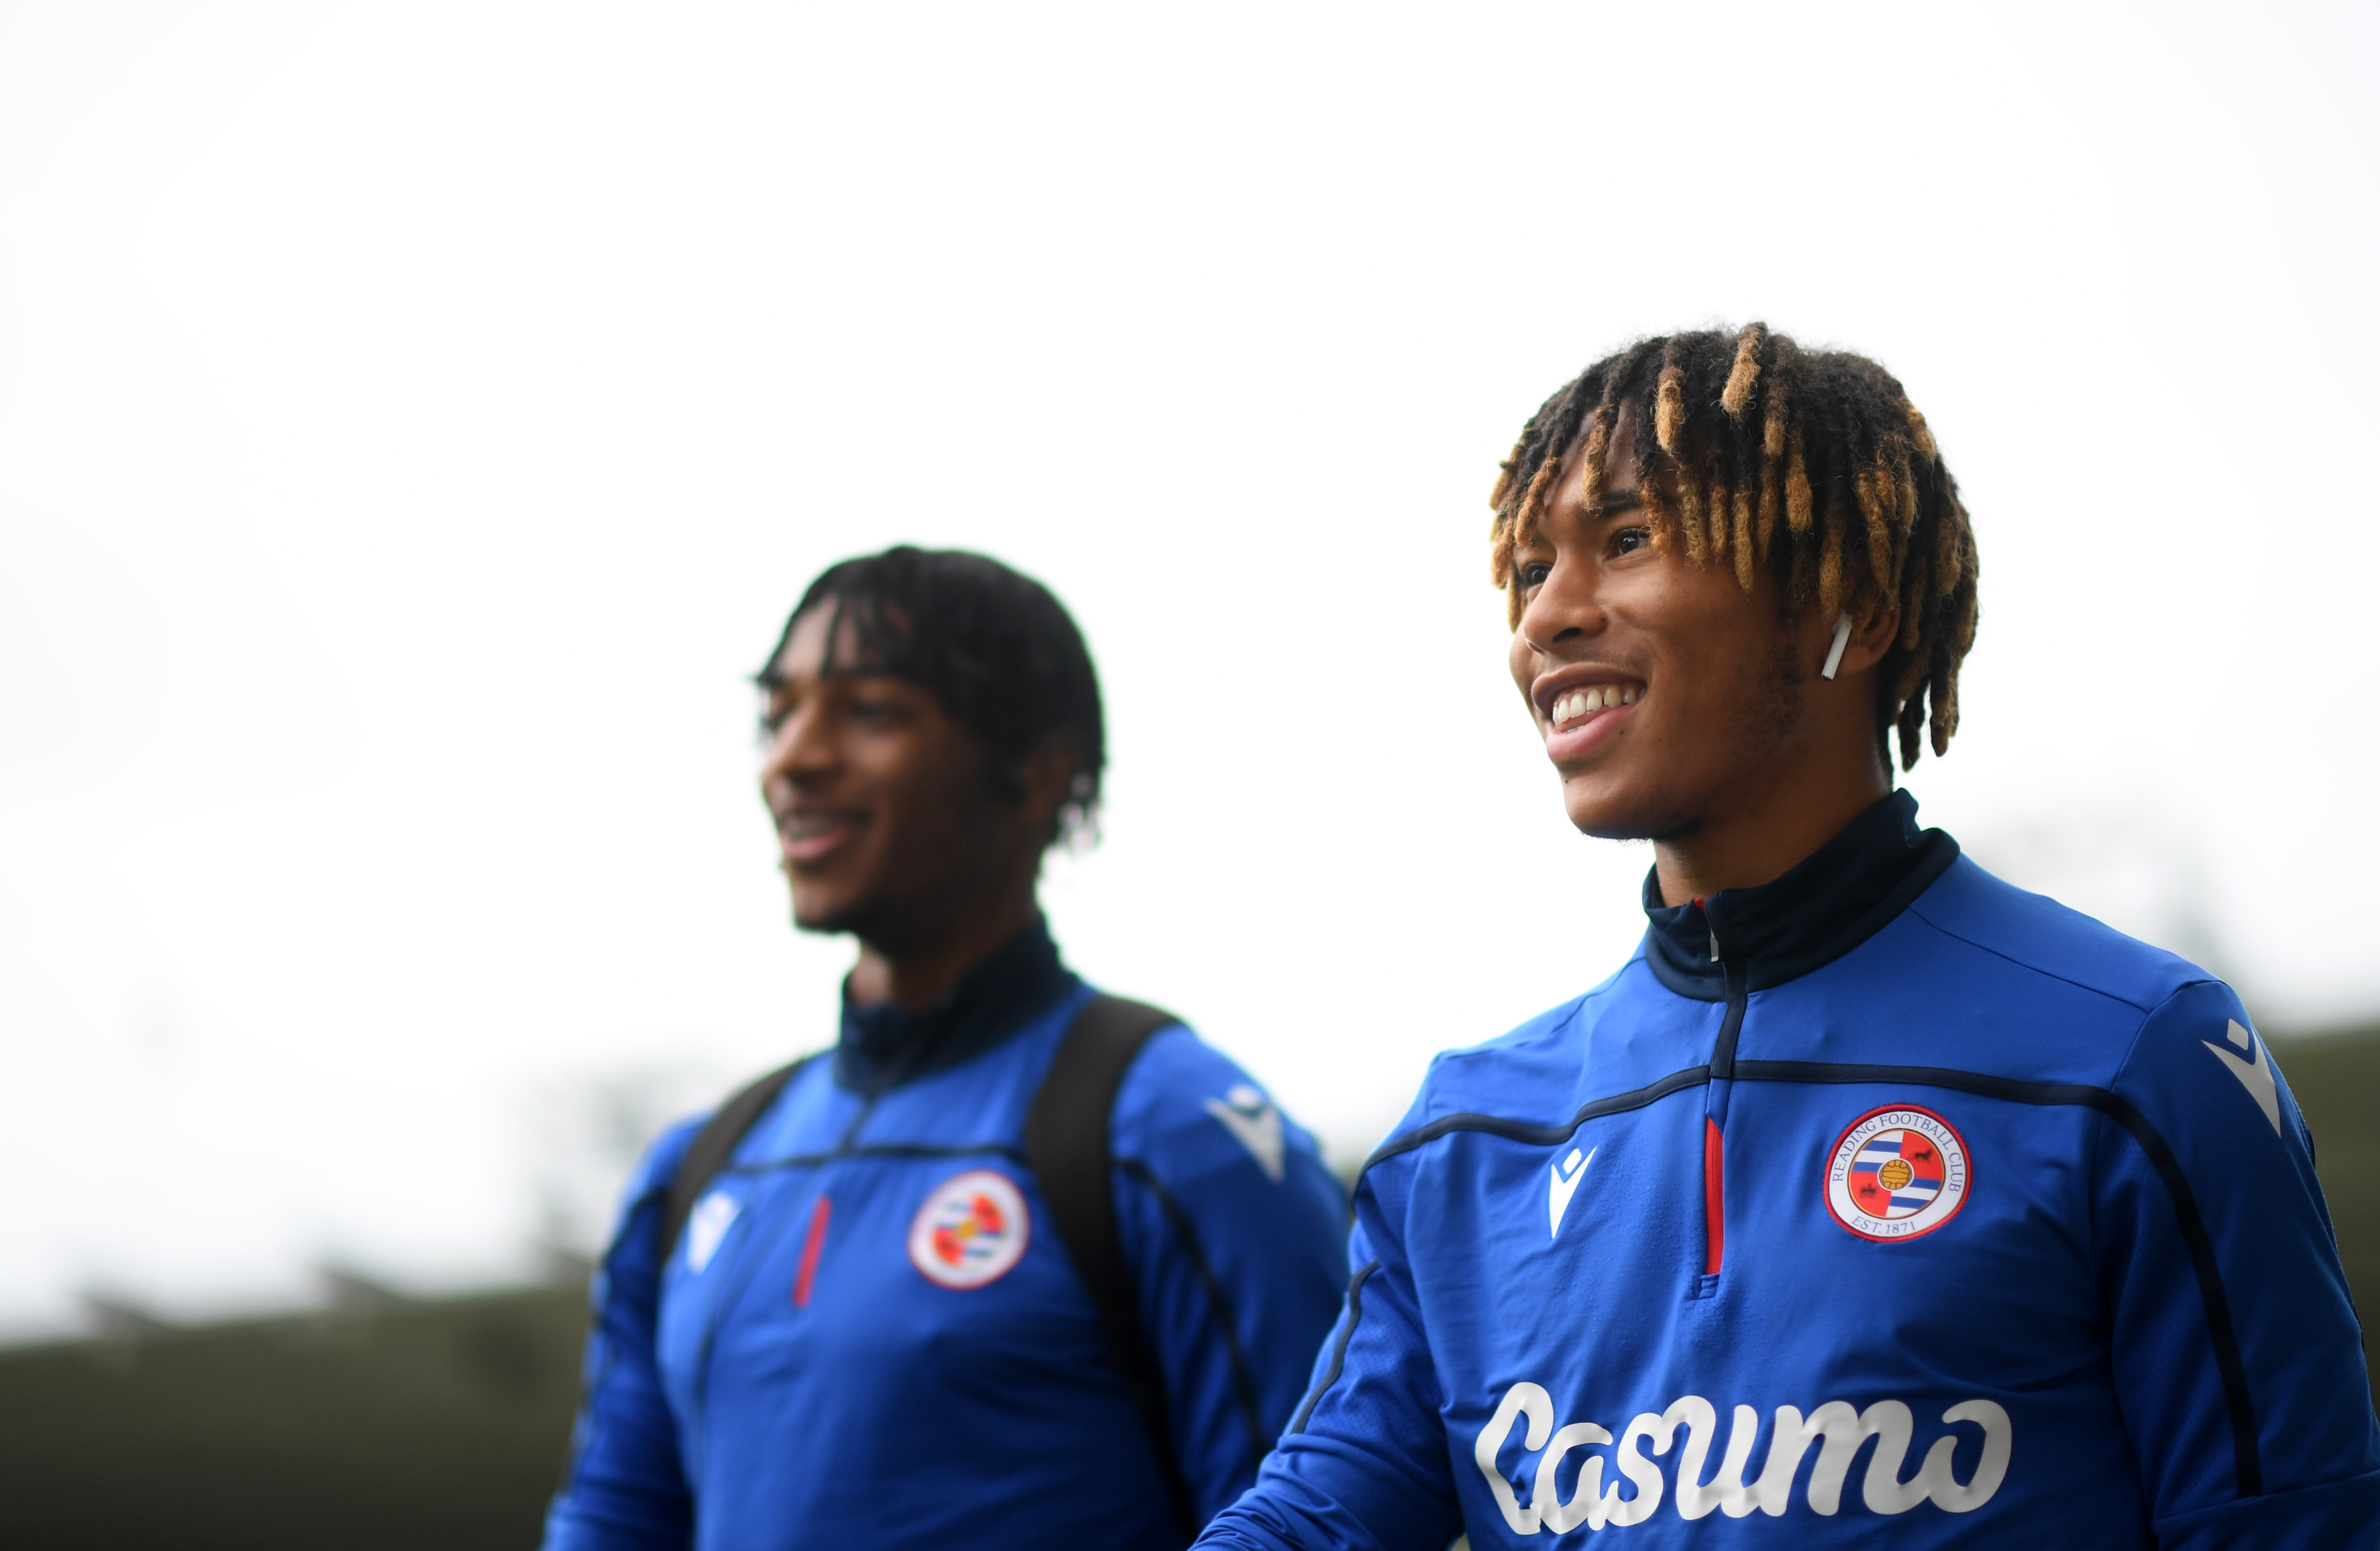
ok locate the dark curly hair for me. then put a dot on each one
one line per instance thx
(1814, 466)
(996, 647)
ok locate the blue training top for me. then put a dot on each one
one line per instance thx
(1883, 1204)
(868, 1336)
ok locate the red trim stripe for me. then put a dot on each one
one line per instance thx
(1714, 1197)
(810, 1247)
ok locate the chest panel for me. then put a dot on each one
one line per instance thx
(1840, 1364)
(863, 1291)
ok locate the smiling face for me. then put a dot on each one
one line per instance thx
(1668, 696)
(889, 824)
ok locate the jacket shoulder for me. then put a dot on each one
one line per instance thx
(1189, 1110)
(2034, 933)
(662, 1161)
(658, 1169)
(1168, 1082)
(1530, 1070)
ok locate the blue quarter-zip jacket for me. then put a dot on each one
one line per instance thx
(1882, 1205)
(868, 1335)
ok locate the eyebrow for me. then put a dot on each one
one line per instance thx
(1616, 501)
(773, 680)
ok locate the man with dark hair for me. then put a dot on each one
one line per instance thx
(1014, 1264)
(1872, 1201)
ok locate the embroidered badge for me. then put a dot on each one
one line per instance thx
(972, 1229)
(1898, 1172)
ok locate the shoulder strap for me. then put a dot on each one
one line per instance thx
(714, 1143)
(1066, 1145)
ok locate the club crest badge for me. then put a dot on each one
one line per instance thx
(1898, 1172)
(972, 1230)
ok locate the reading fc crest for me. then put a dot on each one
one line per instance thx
(1898, 1172)
(972, 1229)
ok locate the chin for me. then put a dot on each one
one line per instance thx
(827, 913)
(869, 913)
(1621, 815)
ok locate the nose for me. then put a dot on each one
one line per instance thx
(1565, 611)
(799, 752)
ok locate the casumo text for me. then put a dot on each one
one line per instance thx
(1836, 1427)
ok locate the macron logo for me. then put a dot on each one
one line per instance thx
(708, 1224)
(1564, 1185)
(1254, 1124)
(2255, 1076)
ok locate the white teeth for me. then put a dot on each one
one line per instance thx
(1574, 703)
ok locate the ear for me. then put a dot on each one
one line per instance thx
(1870, 639)
(1044, 778)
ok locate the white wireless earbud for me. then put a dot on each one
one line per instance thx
(1835, 652)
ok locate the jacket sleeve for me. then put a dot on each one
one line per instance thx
(1235, 1229)
(2238, 1360)
(624, 1489)
(1364, 1464)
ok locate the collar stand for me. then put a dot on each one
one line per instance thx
(884, 1045)
(1824, 906)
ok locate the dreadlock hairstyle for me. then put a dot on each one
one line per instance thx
(1812, 465)
(996, 647)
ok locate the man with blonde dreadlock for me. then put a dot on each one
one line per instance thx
(1872, 1201)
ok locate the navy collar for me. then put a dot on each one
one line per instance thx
(1829, 904)
(884, 1045)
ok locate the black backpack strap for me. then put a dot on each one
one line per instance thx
(714, 1144)
(704, 1157)
(1066, 1144)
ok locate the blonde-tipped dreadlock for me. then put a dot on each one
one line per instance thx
(1815, 467)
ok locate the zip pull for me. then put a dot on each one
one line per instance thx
(1714, 929)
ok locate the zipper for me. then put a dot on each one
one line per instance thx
(1716, 1094)
(724, 1297)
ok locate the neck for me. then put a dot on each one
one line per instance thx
(1759, 838)
(914, 974)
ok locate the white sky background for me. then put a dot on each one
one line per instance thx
(415, 421)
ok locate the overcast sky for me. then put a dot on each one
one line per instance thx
(415, 421)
